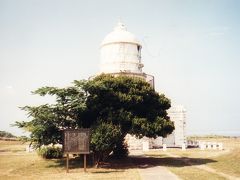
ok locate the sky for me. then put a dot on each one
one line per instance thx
(192, 47)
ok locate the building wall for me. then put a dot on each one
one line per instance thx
(176, 139)
(121, 57)
(178, 116)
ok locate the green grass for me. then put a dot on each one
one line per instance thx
(15, 163)
(21, 165)
(190, 173)
(226, 161)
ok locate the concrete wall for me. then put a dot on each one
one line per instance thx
(121, 57)
(176, 139)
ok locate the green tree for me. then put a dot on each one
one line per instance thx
(48, 120)
(129, 103)
(110, 106)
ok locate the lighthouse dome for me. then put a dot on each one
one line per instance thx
(120, 34)
(120, 52)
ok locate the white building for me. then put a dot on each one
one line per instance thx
(178, 137)
(121, 54)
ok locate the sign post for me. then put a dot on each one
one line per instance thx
(85, 162)
(67, 162)
(76, 141)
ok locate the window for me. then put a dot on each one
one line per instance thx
(138, 48)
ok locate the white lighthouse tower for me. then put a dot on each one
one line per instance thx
(120, 54)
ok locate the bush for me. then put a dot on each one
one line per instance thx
(103, 140)
(50, 152)
(121, 150)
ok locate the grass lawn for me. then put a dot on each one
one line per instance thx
(190, 173)
(226, 161)
(229, 162)
(15, 163)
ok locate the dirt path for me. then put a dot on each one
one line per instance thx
(150, 172)
(156, 173)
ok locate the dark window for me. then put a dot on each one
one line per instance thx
(138, 48)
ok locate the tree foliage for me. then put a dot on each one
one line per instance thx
(110, 106)
(130, 103)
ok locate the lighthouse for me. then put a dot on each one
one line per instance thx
(120, 54)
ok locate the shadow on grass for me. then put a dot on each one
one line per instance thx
(76, 162)
(135, 162)
(106, 172)
(146, 162)
(5, 150)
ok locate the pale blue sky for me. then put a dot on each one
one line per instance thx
(192, 48)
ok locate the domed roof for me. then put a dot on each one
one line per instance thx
(120, 34)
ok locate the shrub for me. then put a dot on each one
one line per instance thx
(121, 150)
(50, 152)
(103, 140)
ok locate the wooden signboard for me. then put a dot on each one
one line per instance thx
(76, 141)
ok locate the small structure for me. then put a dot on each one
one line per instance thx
(202, 146)
(214, 145)
(164, 147)
(183, 147)
(178, 137)
(220, 146)
(210, 145)
(145, 145)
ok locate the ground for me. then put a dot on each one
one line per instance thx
(16, 163)
(204, 164)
